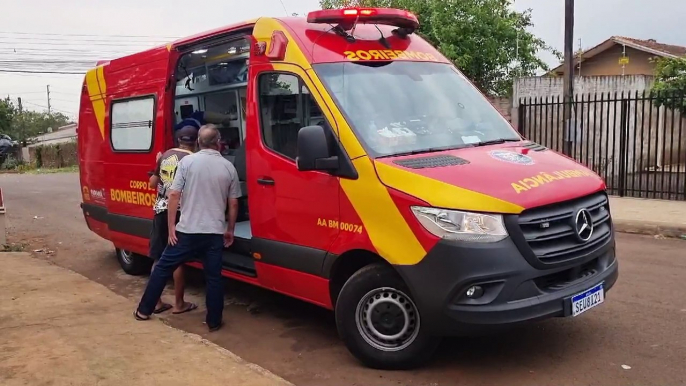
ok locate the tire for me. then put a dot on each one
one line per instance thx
(133, 263)
(378, 287)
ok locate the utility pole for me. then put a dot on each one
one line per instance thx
(49, 110)
(21, 122)
(568, 83)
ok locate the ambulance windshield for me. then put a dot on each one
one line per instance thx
(402, 107)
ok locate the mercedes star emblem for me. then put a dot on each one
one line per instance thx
(583, 224)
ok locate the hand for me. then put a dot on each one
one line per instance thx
(159, 155)
(228, 239)
(172, 235)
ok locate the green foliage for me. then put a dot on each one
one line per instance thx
(670, 82)
(22, 126)
(7, 113)
(486, 39)
(13, 247)
(10, 163)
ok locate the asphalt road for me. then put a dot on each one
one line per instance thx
(636, 337)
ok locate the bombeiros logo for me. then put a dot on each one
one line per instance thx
(98, 194)
(511, 157)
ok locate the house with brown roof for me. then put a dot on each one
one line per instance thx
(620, 55)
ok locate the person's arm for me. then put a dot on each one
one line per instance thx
(234, 194)
(155, 177)
(173, 198)
(153, 181)
(231, 221)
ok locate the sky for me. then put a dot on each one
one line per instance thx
(72, 33)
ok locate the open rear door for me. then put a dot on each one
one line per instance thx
(136, 130)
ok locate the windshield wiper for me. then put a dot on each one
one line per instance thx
(495, 141)
(429, 150)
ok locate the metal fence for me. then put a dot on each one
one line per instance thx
(635, 141)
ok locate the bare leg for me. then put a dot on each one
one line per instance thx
(160, 304)
(179, 289)
(181, 306)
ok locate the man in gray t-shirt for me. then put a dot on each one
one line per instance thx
(208, 187)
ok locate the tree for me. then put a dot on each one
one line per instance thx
(670, 82)
(486, 39)
(35, 123)
(7, 113)
(24, 125)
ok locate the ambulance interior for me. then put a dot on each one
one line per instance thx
(214, 80)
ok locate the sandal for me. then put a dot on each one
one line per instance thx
(189, 308)
(163, 308)
(217, 327)
(140, 317)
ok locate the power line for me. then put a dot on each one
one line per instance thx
(50, 49)
(38, 61)
(63, 100)
(284, 6)
(84, 40)
(34, 42)
(26, 92)
(62, 93)
(29, 75)
(89, 35)
(42, 72)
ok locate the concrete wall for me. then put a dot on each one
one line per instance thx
(55, 156)
(552, 87)
(503, 105)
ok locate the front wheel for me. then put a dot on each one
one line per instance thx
(380, 323)
(133, 263)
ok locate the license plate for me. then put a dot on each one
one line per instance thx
(588, 299)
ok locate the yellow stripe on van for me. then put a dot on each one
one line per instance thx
(387, 229)
(265, 27)
(95, 83)
(101, 80)
(440, 194)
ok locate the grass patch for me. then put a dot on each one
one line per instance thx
(68, 169)
(13, 247)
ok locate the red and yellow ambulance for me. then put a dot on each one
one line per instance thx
(378, 181)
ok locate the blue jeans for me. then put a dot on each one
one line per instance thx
(210, 247)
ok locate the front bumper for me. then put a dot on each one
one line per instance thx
(514, 291)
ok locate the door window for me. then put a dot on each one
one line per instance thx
(132, 122)
(286, 106)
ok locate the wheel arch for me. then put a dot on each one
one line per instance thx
(339, 268)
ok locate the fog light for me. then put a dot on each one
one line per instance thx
(474, 292)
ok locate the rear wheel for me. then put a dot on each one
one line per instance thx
(379, 321)
(133, 263)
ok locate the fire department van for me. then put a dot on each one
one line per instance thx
(378, 182)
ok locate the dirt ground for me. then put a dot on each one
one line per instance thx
(84, 334)
(636, 337)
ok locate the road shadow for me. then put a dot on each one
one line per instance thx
(313, 328)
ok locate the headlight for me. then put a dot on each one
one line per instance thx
(462, 226)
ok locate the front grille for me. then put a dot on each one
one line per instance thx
(567, 278)
(551, 234)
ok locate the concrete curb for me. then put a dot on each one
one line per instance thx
(257, 368)
(651, 228)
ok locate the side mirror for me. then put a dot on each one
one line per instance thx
(314, 150)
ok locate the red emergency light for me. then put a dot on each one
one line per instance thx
(350, 16)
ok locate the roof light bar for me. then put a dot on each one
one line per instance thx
(388, 16)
